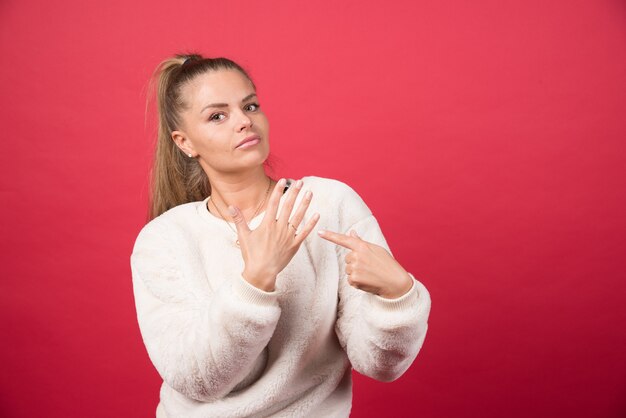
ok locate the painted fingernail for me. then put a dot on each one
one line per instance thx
(232, 210)
(321, 232)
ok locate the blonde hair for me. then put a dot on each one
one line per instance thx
(175, 177)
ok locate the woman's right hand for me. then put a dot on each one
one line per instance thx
(268, 249)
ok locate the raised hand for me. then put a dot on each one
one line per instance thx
(267, 249)
(370, 267)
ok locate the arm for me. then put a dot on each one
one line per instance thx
(200, 349)
(381, 336)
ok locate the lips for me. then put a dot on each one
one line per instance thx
(248, 139)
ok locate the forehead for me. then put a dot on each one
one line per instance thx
(220, 86)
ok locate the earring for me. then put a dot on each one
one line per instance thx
(189, 155)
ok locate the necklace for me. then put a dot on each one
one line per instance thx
(253, 216)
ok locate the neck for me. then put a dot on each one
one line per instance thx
(244, 190)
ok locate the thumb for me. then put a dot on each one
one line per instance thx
(238, 219)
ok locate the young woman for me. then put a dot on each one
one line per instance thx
(257, 297)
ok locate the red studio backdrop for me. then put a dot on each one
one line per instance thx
(487, 137)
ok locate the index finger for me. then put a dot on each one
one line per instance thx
(274, 201)
(346, 241)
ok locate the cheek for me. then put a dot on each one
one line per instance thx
(263, 123)
(214, 145)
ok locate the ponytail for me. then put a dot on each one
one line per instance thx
(175, 177)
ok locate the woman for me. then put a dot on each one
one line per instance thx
(245, 311)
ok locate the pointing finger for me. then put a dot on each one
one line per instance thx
(340, 239)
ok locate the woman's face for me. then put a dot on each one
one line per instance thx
(223, 110)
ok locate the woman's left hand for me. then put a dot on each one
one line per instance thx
(370, 267)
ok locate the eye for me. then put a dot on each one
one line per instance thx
(253, 107)
(216, 116)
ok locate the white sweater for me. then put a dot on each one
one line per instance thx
(225, 348)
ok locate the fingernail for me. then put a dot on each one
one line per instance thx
(307, 195)
(321, 232)
(299, 184)
(232, 210)
(282, 181)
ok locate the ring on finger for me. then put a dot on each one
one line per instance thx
(294, 227)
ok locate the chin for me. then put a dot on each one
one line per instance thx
(257, 159)
(262, 154)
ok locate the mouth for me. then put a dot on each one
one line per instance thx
(249, 141)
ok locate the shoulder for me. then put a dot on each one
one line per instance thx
(338, 198)
(157, 259)
(174, 221)
(331, 188)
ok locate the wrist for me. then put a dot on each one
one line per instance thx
(264, 282)
(401, 290)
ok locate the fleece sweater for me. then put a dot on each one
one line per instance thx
(225, 348)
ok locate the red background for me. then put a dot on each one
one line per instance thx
(487, 137)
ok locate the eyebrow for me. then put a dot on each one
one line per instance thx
(248, 97)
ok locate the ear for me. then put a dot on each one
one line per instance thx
(183, 143)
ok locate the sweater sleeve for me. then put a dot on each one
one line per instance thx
(202, 347)
(381, 337)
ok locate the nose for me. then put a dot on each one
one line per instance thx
(244, 122)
